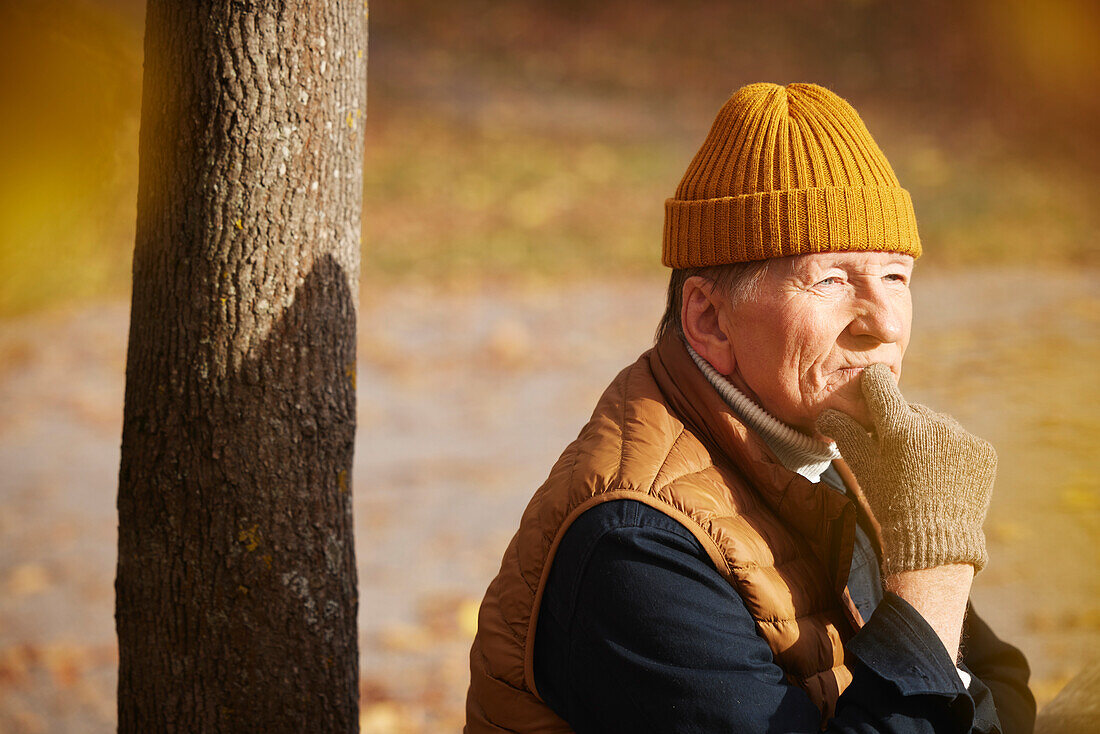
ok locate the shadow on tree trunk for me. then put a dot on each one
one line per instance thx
(236, 588)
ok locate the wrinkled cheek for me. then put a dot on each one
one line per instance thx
(841, 392)
(816, 394)
(820, 381)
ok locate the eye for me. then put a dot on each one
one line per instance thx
(896, 278)
(832, 280)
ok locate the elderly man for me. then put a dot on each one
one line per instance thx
(755, 531)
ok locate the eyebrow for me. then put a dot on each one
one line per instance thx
(803, 269)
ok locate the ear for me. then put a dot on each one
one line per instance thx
(702, 316)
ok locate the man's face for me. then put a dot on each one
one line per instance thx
(801, 342)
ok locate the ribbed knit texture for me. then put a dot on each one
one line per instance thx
(786, 171)
(926, 479)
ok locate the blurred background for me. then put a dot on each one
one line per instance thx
(517, 158)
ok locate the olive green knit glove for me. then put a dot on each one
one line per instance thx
(926, 479)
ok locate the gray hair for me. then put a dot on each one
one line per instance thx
(737, 280)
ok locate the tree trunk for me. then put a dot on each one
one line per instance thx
(236, 588)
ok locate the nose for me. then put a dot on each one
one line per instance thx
(880, 316)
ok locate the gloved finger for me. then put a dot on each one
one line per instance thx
(884, 399)
(982, 450)
(922, 410)
(933, 418)
(851, 439)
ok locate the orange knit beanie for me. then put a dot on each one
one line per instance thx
(786, 171)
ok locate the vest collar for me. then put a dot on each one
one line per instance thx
(824, 518)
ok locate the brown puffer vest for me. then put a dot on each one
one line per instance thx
(662, 435)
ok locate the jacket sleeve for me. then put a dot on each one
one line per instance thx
(637, 631)
(1001, 677)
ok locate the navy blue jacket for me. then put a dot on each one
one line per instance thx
(638, 632)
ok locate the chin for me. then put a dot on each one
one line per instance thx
(861, 415)
(854, 409)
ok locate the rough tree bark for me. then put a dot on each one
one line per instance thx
(236, 587)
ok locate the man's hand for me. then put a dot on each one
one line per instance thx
(928, 482)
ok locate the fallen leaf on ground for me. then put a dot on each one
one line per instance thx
(27, 580)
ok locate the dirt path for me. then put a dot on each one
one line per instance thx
(465, 401)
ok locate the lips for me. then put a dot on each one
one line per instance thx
(850, 373)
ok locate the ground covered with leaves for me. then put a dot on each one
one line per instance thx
(466, 397)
